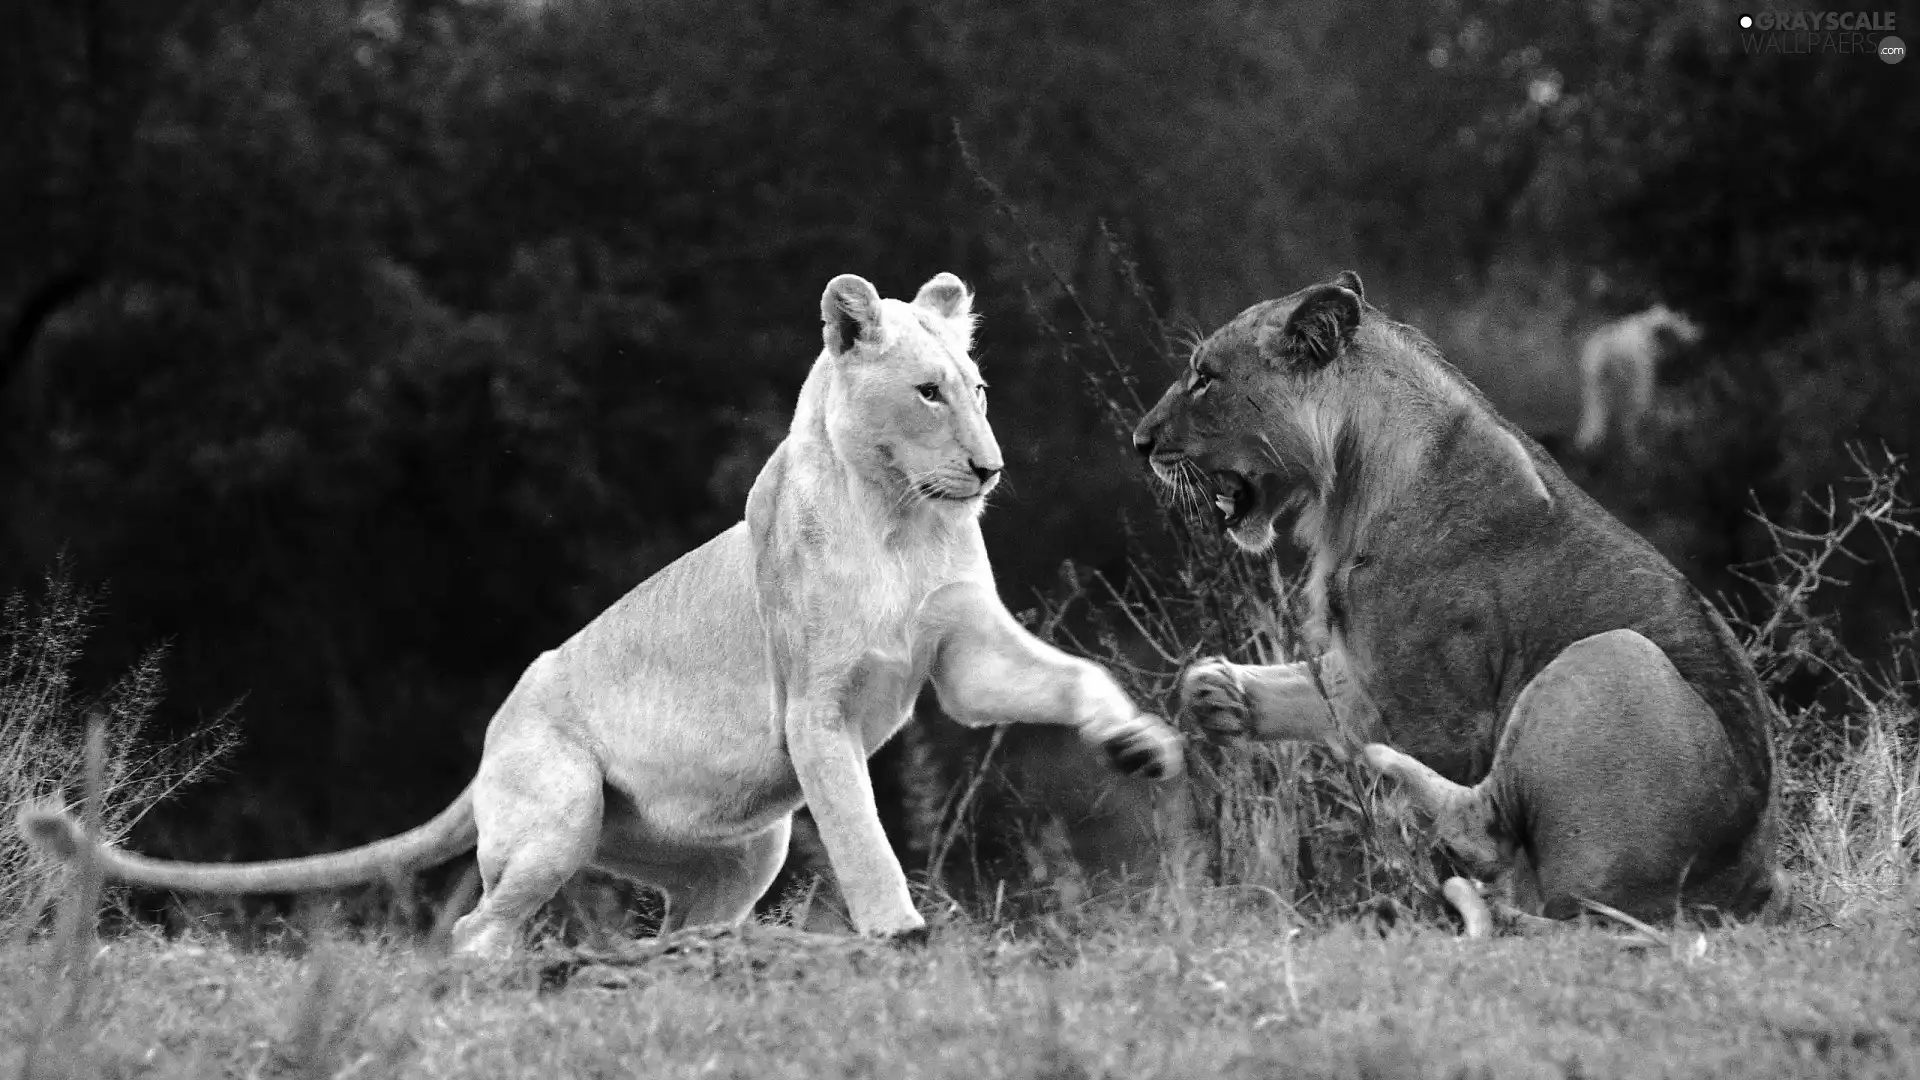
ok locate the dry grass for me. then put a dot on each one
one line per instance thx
(1193, 992)
(44, 717)
(1853, 840)
(1240, 964)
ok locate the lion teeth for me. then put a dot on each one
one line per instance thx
(1225, 503)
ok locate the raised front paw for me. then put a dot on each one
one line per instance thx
(1213, 696)
(1147, 747)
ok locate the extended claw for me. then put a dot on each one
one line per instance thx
(1151, 750)
(1213, 694)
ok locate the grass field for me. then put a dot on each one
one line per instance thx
(1219, 993)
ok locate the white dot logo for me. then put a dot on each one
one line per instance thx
(1746, 22)
(1892, 49)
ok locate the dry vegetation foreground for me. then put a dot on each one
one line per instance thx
(1203, 979)
(1220, 995)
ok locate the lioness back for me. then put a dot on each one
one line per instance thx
(1536, 575)
(685, 645)
(675, 674)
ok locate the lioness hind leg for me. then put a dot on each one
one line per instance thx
(1463, 817)
(1630, 787)
(1464, 822)
(538, 811)
(721, 889)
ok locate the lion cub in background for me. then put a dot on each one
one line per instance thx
(1483, 613)
(673, 737)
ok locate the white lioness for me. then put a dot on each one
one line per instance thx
(1617, 367)
(672, 738)
(1481, 613)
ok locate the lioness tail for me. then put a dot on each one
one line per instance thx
(447, 834)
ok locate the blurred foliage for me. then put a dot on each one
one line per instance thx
(369, 347)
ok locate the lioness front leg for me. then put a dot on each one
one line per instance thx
(1263, 702)
(830, 759)
(988, 670)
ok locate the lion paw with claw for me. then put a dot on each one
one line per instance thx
(1213, 694)
(1150, 749)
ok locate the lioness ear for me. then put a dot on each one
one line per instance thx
(1317, 330)
(1347, 279)
(849, 313)
(946, 295)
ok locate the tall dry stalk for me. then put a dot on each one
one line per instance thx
(44, 718)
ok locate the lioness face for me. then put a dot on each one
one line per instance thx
(1239, 425)
(909, 407)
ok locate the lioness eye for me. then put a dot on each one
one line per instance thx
(930, 391)
(1201, 380)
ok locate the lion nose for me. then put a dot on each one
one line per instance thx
(984, 472)
(1143, 443)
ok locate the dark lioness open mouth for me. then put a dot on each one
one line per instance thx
(1233, 497)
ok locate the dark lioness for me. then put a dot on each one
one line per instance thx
(1481, 613)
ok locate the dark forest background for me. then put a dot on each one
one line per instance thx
(363, 349)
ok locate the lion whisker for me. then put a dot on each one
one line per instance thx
(1192, 487)
(1185, 487)
(915, 490)
(1196, 490)
(1175, 480)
